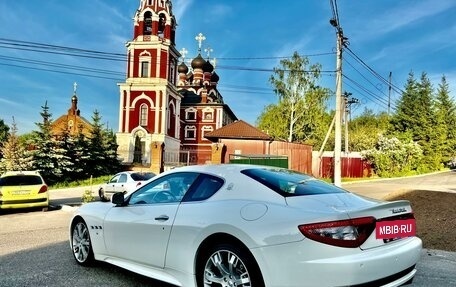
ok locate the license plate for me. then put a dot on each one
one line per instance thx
(21, 192)
(395, 229)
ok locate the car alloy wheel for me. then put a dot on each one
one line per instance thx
(228, 266)
(80, 243)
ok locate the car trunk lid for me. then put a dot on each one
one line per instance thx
(348, 205)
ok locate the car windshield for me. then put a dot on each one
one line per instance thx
(291, 183)
(20, 180)
(142, 176)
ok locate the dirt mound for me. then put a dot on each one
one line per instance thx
(435, 214)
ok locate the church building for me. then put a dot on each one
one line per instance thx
(73, 122)
(167, 107)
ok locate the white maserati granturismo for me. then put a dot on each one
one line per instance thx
(245, 225)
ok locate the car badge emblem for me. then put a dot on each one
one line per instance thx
(398, 210)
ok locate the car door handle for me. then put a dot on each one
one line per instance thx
(162, 218)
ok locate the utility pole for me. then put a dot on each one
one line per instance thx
(347, 107)
(341, 41)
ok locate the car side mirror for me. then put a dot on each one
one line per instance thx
(118, 198)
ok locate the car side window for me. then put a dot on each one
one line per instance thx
(122, 178)
(114, 179)
(205, 187)
(167, 189)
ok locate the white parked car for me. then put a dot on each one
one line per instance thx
(246, 225)
(125, 181)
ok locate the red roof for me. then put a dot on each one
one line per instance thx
(238, 130)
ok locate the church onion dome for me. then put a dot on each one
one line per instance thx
(182, 68)
(74, 98)
(198, 62)
(215, 78)
(208, 68)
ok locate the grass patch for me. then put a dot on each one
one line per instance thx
(85, 182)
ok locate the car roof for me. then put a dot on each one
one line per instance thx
(135, 171)
(21, 172)
(221, 168)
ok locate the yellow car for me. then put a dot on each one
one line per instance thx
(23, 189)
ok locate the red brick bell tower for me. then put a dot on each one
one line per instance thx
(149, 101)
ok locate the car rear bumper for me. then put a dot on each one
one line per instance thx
(309, 263)
(42, 201)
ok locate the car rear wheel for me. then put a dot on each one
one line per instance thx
(102, 195)
(81, 244)
(226, 265)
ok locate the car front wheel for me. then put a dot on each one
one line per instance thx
(226, 265)
(81, 244)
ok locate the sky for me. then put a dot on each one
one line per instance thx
(247, 37)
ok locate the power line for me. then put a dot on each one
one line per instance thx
(377, 75)
(102, 55)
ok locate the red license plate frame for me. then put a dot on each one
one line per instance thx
(395, 228)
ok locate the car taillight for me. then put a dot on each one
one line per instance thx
(343, 233)
(43, 188)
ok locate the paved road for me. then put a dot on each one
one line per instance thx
(440, 181)
(34, 248)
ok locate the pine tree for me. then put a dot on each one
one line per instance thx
(112, 158)
(44, 155)
(15, 155)
(81, 156)
(64, 149)
(97, 164)
(446, 112)
(4, 133)
(416, 119)
(405, 119)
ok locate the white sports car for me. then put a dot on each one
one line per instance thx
(245, 225)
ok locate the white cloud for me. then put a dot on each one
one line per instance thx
(392, 18)
(180, 7)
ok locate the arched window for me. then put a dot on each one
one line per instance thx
(144, 60)
(190, 114)
(204, 130)
(143, 115)
(172, 71)
(147, 23)
(208, 115)
(161, 25)
(190, 132)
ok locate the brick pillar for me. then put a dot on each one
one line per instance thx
(156, 157)
(217, 153)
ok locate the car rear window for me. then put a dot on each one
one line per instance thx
(142, 176)
(291, 183)
(14, 180)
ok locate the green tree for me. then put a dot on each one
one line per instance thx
(97, 164)
(393, 157)
(65, 148)
(365, 129)
(301, 105)
(4, 132)
(112, 158)
(48, 157)
(446, 113)
(15, 155)
(416, 119)
(81, 156)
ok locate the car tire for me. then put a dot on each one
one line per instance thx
(102, 195)
(245, 267)
(81, 245)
